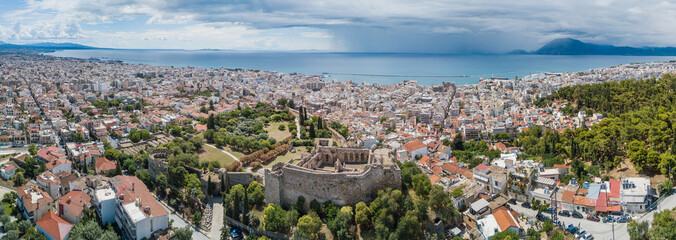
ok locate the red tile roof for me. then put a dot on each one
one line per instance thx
(614, 188)
(133, 188)
(434, 178)
(415, 145)
(74, 201)
(54, 225)
(56, 162)
(584, 201)
(482, 167)
(424, 160)
(568, 196)
(104, 165)
(505, 219)
(601, 202)
(26, 195)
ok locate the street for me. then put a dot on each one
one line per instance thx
(599, 230)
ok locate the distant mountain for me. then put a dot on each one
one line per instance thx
(59, 45)
(569, 46)
(44, 46)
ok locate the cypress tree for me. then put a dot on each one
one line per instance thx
(312, 131)
(209, 186)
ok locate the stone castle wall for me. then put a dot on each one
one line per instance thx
(285, 182)
(157, 161)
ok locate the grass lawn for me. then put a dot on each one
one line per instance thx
(274, 132)
(226, 148)
(210, 154)
(285, 158)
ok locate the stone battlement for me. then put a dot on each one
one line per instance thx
(284, 183)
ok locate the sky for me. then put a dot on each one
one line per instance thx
(420, 26)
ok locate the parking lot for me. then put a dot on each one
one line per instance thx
(599, 230)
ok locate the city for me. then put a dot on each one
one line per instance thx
(158, 152)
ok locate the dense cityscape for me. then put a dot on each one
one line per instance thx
(98, 149)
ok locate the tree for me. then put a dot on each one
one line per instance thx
(184, 233)
(13, 235)
(211, 122)
(291, 104)
(665, 187)
(312, 131)
(32, 149)
(176, 175)
(274, 219)
(329, 211)
(282, 102)
(408, 227)
(90, 230)
(308, 226)
(315, 206)
(18, 179)
(161, 184)
(363, 215)
(408, 170)
(299, 204)
(118, 168)
(663, 226)
(458, 143)
(112, 154)
(256, 194)
(144, 176)
(457, 192)
(637, 230)
(342, 225)
(193, 185)
(421, 184)
(667, 163)
(506, 235)
(638, 154)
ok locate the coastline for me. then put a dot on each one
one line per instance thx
(386, 69)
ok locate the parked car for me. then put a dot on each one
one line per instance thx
(512, 201)
(580, 233)
(526, 205)
(564, 213)
(550, 210)
(236, 234)
(577, 215)
(622, 219)
(587, 236)
(594, 218)
(571, 229)
(608, 219)
(542, 217)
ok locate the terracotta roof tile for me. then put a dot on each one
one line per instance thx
(54, 225)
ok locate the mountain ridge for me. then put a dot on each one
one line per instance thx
(44, 46)
(570, 46)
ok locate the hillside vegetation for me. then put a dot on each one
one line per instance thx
(640, 124)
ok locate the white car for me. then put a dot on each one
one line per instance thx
(579, 234)
(587, 236)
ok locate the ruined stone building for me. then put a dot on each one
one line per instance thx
(344, 176)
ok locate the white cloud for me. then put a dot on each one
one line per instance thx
(356, 24)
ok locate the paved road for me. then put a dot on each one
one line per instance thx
(599, 230)
(602, 230)
(226, 152)
(216, 219)
(668, 203)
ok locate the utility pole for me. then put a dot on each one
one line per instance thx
(612, 223)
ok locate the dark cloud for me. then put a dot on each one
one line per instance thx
(456, 26)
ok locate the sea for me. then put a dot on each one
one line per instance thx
(382, 68)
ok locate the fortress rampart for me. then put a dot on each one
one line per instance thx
(284, 183)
